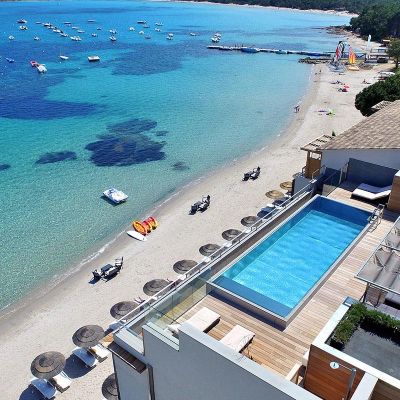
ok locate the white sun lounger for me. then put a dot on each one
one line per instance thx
(87, 358)
(203, 320)
(369, 192)
(61, 381)
(47, 390)
(100, 352)
(238, 338)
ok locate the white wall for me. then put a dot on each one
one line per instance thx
(203, 368)
(336, 159)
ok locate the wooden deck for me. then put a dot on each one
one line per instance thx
(280, 350)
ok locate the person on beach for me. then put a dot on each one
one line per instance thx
(297, 108)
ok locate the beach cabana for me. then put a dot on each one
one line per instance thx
(314, 155)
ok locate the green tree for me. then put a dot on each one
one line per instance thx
(388, 89)
(394, 51)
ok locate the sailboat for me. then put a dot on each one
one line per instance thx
(336, 65)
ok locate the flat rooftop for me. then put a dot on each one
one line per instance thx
(276, 349)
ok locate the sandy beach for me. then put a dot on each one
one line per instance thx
(48, 322)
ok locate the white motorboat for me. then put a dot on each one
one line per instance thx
(115, 195)
(113, 31)
(36, 38)
(22, 21)
(93, 58)
(41, 68)
(94, 34)
(11, 37)
(64, 58)
(170, 35)
(158, 24)
(192, 34)
(113, 38)
(131, 28)
(157, 29)
(23, 28)
(141, 33)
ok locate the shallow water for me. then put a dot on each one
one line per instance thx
(135, 121)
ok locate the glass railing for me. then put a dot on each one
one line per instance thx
(334, 180)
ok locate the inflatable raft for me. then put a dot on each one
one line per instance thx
(139, 227)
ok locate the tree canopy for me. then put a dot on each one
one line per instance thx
(353, 6)
(389, 90)
(379, 20)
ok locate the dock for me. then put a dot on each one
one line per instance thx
(252, 49)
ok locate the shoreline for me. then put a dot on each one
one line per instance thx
(157, 209)
(308, 10)
(75, 302)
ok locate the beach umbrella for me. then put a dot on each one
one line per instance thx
(183, 266)
(122, 308)
(208, 249)
(47, 365)
(88, 336)
(154, 286)
(275, 194)
(230, 234)
(249, 221)
(286, 185)
(109, 388)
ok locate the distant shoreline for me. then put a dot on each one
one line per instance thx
(310, 10)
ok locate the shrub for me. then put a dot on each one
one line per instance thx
(359, 314)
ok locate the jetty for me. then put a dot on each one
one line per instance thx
(252, 49)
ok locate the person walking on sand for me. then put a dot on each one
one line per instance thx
(297, 108)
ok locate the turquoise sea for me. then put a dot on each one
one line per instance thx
(151, 116)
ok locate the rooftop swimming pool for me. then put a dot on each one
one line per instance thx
(279, 271)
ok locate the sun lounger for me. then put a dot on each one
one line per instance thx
(61, 381)
(369, 192)
(87, 358)
(100, 352)
(393, 240)
(47, 390)
(203, 320)
(238, 338)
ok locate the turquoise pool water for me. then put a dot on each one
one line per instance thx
(281, 270)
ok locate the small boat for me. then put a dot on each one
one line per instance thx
(34, 63)
(91, 20)
(142, 22)
(94, 34)
(10, 60)
(76, 38)
(11, 37)
(115, 195)
(169, 37)
(215, 39)
(113, 31)
(131, 28)
(146, 26)
(22, 21)
(80, 31)
(218, 35)
(250, 49)
(36, 38)
(41, 68)
(192, 34)
(64, 58)
(157, 29)
(38, 23)
(57, 30)
(113, 38)
(75, 27)
(67, 23)
(64, 34)
(46, 24)
(158, 24)
(141, 33)
(98, 28)
(23, 28)
(136, 235)
(153, 222)
(139, 227)
(93, 58)
(147, 37)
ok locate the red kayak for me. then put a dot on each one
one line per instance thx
(34, 63)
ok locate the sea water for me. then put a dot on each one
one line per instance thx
(136, 120)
